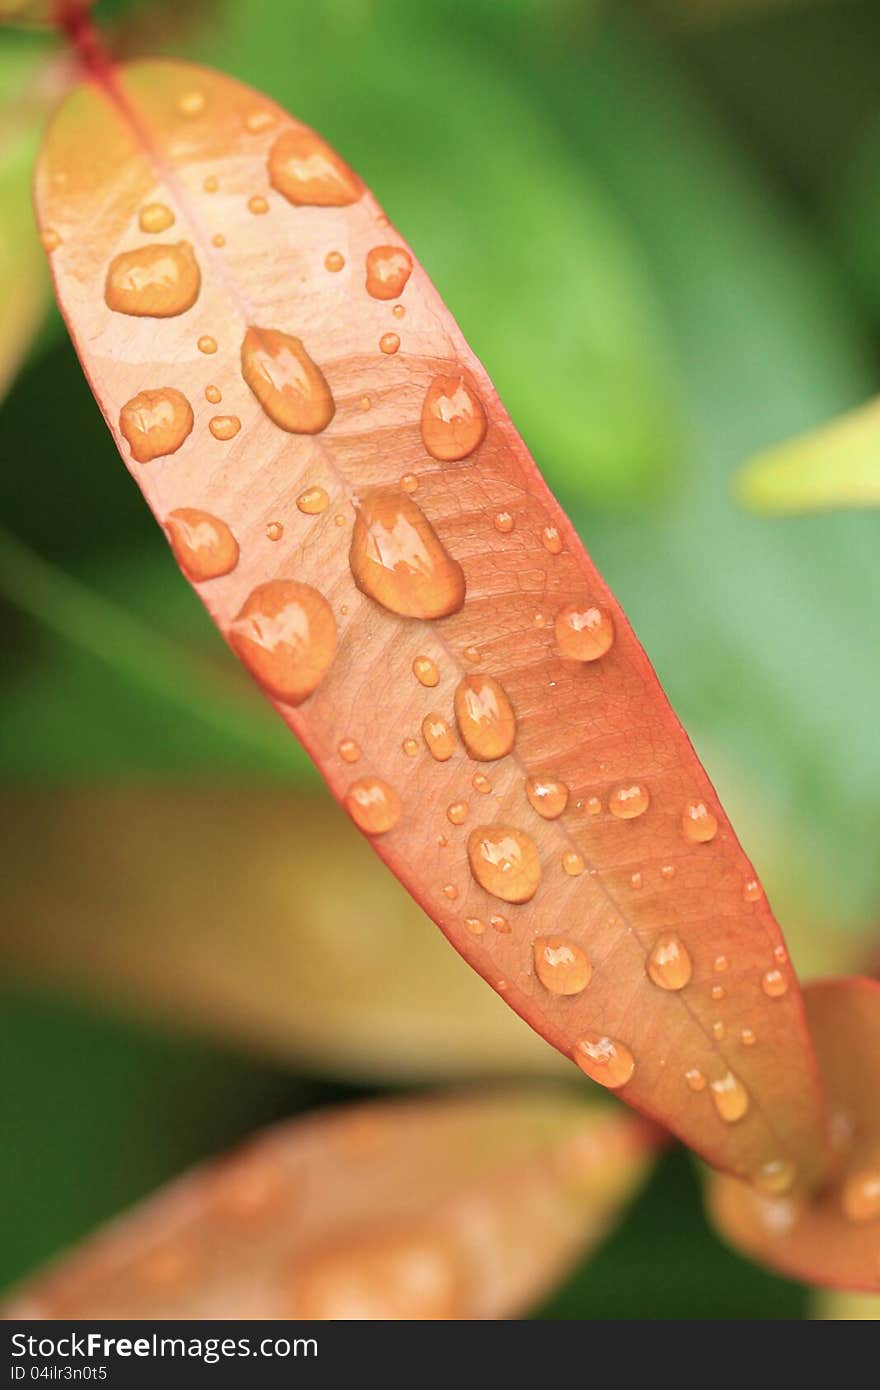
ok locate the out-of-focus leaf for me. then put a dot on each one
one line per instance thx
(833, 1238)
(837, 465)
(830, 1305)
(466, 1207)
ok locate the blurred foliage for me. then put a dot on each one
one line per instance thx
(660, 236)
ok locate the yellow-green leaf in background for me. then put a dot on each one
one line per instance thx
(836, 465)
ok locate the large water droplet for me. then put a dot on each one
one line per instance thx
(547, 795)
(698, 822)
(561, 965)
(730, 1097)
(398, 559)
(485, 718)
(388, 269)
(155, 281)
(438, 736)
(289, 386)
(860, 1195)
(309, 173)
(669, 964)
(313, 501)
(373, 805)
(453, 419)
(630, 801)
(604, 1059)
(203, 545)
(505, 862)
(155, 423)
(224, 427)
(285, 634)
(583, 632)
(155, 217)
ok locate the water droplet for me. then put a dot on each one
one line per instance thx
(499, 924)
(389, 343)
(730, 1097)
(593, 806)
(207, 344)
(203, 545)
(720, 963)
(718, 992)
(155, 217)
(388, 269)
(218, 239)
(259, 120)
(442, 841)
(213, 394)
(561, 965)
(780, 954)
(480, 783)
(547, 795)
(258, 205)
(398, 311)
(551, 540)
(365, 403)
(373, 805)
(628, 802)
(636, 880)
(334, 261)
(309, 174)
(410, 747)
(453, 419)
(425, 671)
(504, 523)
(224, 426)
(398, 559)
(285, 634)
(485, 718)
(718, 1030)
(313, 501)
(289, 386)
(860, 1196)
(604, 1060)
(669, 964)
(583, 632)
(438, 737)
(698, 822)
(752, 890)
(274, 531)
(339, 519)
(475, 926)
(457, 812)
(156, 281)
(573, 863)
(451, 891)
(776, 1177)
(695, 1079)
(155, 423)
(472, 654)
(748, 1037)
(774, 984)
(51, 240)
(349, 751)
(410, 483)
(191, 103)
(211, 184)
(505, 862)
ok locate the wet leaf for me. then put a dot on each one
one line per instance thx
(833, 1238)
(466, 1207)
(387, 562)
(836, 465)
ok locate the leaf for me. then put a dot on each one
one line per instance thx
(250, 932)
(831, 1238)
(465, 1207)
(424, 569)
(837, 465)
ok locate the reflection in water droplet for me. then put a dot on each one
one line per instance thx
(561, 965)
(258, 205)
(388, 269)
(504, 523)
(155, 423)
(605, 1060)
(389, 343)
(274, 531)
(285, 634)
(730, 1097)
(860, 1196)
(695, 1079)
(547, 795)
(308, 173)
(203, 545)
(457, 812)
(313, 501)
(584, 632)
(398, 559)
(453, 419)
(289, 386)
(207, 344)
(505, 862)
(485, 718)
(774, 984)
(156, 281)
(155, 217)
(776, 1177)
(551, 540)
(698, 822)
(669, 964)
(573, 863)
(481, 783)
(334, 261)
(373, 805)
(349, 751)
(224, 426)
(213, 394)
(438, 737)
(628, 802)
(425, 671)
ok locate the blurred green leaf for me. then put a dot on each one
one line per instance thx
(837, 465)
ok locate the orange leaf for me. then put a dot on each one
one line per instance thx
(834, 1238)
(466, 1207)
(392, 569)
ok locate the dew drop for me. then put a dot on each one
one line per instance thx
(561, 965)
(334, 261)
(274, 531)
(718, 1030)
(155, 423)
(438, 736)
(583, 632)
(472, 654)
(259, 120)
(389, 343)
(211, 184)
(752, 890)
(669, 964)
(475, 926)
(155, 281)
(748, 1038)
(860, 1196)
(730, 1097)
(388, 269)
(410, 483)
(398, 311)
(628, 802)
(258, 205)
(668, 871)
(425, 671)
(499, 924)
(604, 1060)
(451, 891)
(485, 717)
(718, 992)
(593, 806)
(155, 217)
(774, 984)
(218, 240)
(207, 344)
(213, 394)
(365, 403)
(698, 822)
(551, 540)
(313, 501)
(290, 387)
(636, 880)
(480, 783)
(504, 523)
(695, 1079)
(309, 173)
(349, 751)
(191, 103)
(505, 862)
(776, 1177)
(373, 805)
(224, 427)
(547, 795)
(285, 634)
(780, 954)
(410, 747)
(203, 545)
(51, 239)
(397, 558)
(457, 812)
(573, 863)
(453, 419)
(720, 964)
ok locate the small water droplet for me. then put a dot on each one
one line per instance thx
(425, 671)
(499, 924)
(155, 217)
(720, 964)
(698, 822)
(207, 344)
(730, 1097)
(551, 540)
(308, 173)
(752, 890)
(224, 426)
(398, 559)
(776, 1177)
(313, 501)
(213, 394)
(774, 984)
(547, 795)
(398, 311)
(718, 1030)
(780, 954)
(285, 634)
(629, 801)
(51, 240)
(442, 841)
(584, 632)
(157, 281)
(475, 926)
(258, 205)
(290, 387)
(349, 751)
(472, 654)
(485, 716)
(669, 964)
(334, 261)
(211, 184)
(365, 403)
(505, 862)
(504, 523)
(203, 545)
(604, 1060)
(748, 1038)
(155, 423)
(339, 519)
(480, 783)
(274, 531)
(453, 419)
(389, 343)
(259, 120)
(191, 103)
(718, 992)
(410, 483)
(451, 891)
(457, 812)
(593, 806)
(561, 965)
(695, 1079)
(438, 737)
(860, 1195)
(668, 871)
(373, 805)
(218, 240)
(388, 269)
(636, 880)
(410, 747)
(573, 863)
